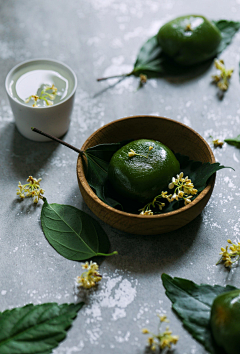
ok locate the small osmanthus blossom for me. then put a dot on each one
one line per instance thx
(31, 189)
(90, 277)
(45, 96)
(143, 80)
(231, 255)
(163, 339)
(188, 28)
(183, 189)
(216, 142)
(222, 80)
(133, 153)
(146, 212)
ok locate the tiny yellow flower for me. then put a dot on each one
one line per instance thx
(90, 277)
(143, 79)
(188, 28)
(131, 153)
(163, 318)
(222, 80)
(231, 256)
(31, 189)
(163, 339)
(146, 212)
(187, 201)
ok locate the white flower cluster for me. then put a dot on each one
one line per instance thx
(45, 96)
(90, 277)
(31, 189)
(184, 189)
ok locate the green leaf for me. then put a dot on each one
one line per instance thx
(152, 61)
(72, 233)
(193, 303)
(228, 29)
(35, 329)
(234, 141)
(198, 172)
(98, 158)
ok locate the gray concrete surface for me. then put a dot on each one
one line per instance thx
(95, 38)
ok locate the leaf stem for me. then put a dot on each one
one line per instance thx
(115, 76)
(106, 255)
(58, 140)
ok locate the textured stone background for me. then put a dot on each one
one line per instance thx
(95, 38)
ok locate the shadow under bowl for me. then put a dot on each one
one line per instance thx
(179, 138)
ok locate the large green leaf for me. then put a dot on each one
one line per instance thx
(74, 234)
(234, 141)
(35, 329)
(193, 303)
(152, 61)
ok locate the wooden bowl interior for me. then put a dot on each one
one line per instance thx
(173, 134)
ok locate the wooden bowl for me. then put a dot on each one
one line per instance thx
(177, 137)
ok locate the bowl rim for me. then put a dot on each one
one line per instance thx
(81, 176)
(17, 66)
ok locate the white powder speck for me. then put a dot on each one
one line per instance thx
(4, 292)
(186, 121)
(94, 334)
(121, 339)
(118, 313)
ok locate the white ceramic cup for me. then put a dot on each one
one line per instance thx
(54, 119)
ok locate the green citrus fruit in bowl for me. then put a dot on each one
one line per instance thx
(141, 169)
(225, 321)
(189, 40)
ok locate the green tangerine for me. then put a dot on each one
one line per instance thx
(189, 40)
(141, 169)
(225, 323)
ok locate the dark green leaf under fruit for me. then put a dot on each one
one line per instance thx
(234, 141)
(193, 304)
(98, 158)
(72, 233)
(35, 329)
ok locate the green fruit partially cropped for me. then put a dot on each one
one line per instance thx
(189, 39)
(143, 176)
(225, 321)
